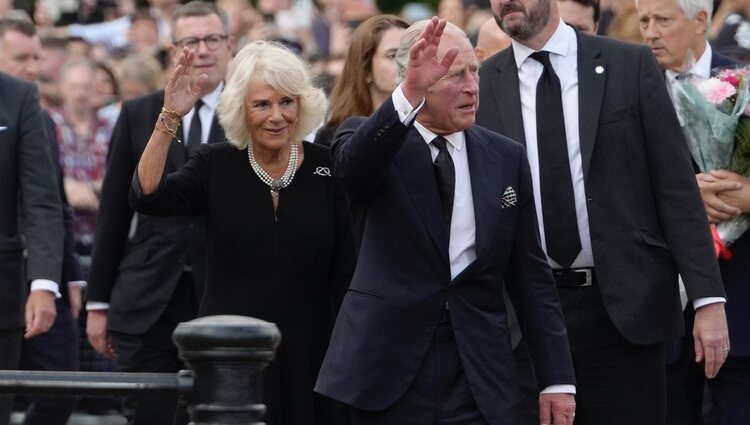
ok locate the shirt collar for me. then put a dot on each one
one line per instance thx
(701, 68)
(212, 99)
(559, 44)
(456, 140)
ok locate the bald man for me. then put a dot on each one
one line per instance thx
(490, 40)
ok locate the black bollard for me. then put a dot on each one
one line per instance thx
(227, 355)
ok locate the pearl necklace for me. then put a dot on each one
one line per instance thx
(275, 184)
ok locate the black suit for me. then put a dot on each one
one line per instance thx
(56, 349)
(143, 277)
(28, 190)
(645, 215)
(402, 281)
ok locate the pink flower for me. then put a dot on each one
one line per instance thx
(716, 91)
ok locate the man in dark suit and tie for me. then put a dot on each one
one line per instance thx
(30, 219)
(444, 218)
(56, 349)
(675, 30)
(146, 280)
(618, 207)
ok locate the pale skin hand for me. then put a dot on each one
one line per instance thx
(740, 198)
(180, 94)
(556, 408)
(424, 69)
(98, 335)
(711, 337)
(716, 192)
(40, 313)
(76, 300)
(81, 195)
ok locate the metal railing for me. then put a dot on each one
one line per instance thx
(226, 355)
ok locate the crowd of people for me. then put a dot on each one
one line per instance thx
(473, 218)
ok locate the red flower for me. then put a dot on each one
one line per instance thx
(731, 79)
(722, 252)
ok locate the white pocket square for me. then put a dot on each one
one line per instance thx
(3, 128)
(509, 197)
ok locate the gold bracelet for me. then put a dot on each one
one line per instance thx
(172, 114)
(162, 131)
(175, 123)
(170, 131)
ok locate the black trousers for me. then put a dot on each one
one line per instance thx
(439, 394)
(618, 383)
(54, 350)
(10, 341)
(730, 392)
(155, 352)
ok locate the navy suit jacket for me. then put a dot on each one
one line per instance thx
(403, 281)
(646, 217)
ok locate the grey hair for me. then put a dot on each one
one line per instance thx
(411, 36)
(691, 8)
(273, 64)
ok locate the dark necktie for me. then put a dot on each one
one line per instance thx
(558, 203)
(194, 134)
(445, 173)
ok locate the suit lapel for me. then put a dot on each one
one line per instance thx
(414, 163)
(592, 77)
(484, 168)
(508, 97)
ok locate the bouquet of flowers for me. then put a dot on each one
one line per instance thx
(715, 117)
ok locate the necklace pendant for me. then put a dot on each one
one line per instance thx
(274, 193)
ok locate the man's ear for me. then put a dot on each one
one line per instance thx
(479, 52)
(701, 18)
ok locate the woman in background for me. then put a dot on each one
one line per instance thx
(369, 74)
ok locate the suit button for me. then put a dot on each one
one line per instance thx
(191, 226)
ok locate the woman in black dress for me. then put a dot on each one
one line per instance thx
(278, 237)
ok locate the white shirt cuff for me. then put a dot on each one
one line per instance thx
(406, 112)
(700, 302)
(560, 388)
(77, 283)
(45, 285)
(95, 305)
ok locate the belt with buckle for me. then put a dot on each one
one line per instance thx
(573, 277)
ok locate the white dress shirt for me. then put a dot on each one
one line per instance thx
(207, 112)
(563, 49)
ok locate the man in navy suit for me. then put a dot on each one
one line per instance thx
(675, 30)
(444, 218)
(632, 217)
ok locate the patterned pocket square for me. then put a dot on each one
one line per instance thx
(509, 197)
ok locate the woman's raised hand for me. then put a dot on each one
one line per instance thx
(181, 93)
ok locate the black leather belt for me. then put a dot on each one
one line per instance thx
(574, 277)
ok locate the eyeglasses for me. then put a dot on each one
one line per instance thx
(213, 42)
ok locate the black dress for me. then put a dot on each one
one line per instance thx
(290, 266)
